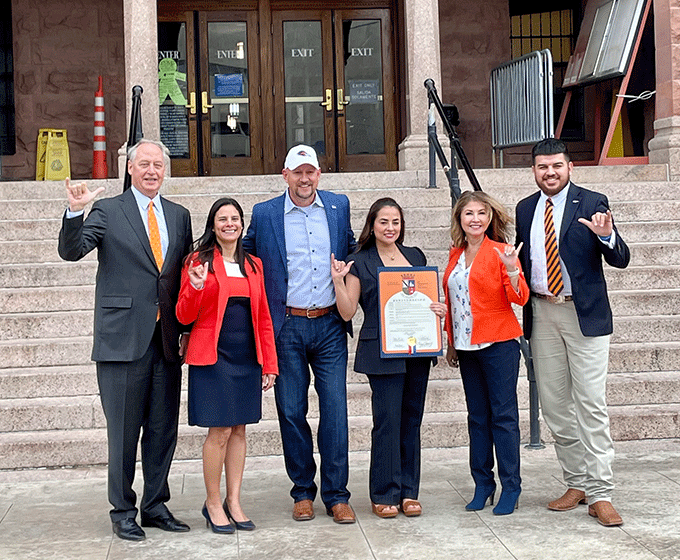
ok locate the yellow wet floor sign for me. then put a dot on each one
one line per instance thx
(53, 162)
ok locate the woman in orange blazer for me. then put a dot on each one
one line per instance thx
(231, 355)
(482, 279)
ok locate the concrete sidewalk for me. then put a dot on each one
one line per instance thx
(63, 514)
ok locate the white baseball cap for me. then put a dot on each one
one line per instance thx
(299, 155)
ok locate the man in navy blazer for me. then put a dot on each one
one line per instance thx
(136, 332)
(295, 234)
(569, 324)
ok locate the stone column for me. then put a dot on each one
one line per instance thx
(665, 146)
(141, 66)
(422, 62)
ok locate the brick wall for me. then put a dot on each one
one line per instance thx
(475, 38)
(60, 49)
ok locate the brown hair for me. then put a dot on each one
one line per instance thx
(204, 246)
(367, 239)
(499, 226)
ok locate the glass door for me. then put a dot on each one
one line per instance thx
(365, 91)
(209, 92)
(230, 93)
(176, 85)
(304, 84)
(334, 87)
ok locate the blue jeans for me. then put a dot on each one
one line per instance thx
(490, 382)
(322, 344)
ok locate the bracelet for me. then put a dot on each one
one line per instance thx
(514, 273)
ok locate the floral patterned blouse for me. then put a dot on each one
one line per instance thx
(461, 313)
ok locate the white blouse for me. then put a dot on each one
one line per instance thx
(461, 312)
(233, 270)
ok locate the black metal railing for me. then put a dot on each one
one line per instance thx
(135, 134)
(450, 118)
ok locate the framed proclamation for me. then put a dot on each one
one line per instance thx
(407, 325)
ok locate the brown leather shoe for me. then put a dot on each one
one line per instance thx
(605, 513)
(303, 510)
(342, 513)
(570, 500)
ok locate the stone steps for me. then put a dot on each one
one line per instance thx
(199, 204)
(50, 413)
(84, 411)
(81, 298)
(60, 273)
(433, 240)
(24, 449)
(31, 353)
(642, 177)
(59, 325)
(21, 232)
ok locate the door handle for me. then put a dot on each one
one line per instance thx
(329, 100)
(341, 99)
(192, 103)
(204, 103)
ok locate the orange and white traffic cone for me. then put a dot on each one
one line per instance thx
(100, 169)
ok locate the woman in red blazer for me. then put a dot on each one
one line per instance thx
(481, 281)
(231, 355)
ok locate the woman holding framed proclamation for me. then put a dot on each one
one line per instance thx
(398, 384)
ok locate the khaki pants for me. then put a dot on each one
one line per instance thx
(571, 374)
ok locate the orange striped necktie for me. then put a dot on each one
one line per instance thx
(155, 237)
(552, 256)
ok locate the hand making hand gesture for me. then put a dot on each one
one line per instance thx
(79, 195)
(339, 269)
(197, 274)
(509, 256)
(601, 223)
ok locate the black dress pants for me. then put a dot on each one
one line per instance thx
(142, 395)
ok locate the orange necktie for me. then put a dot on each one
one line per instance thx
(155, 237)
(552, 256)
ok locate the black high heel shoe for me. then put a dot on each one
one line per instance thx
(240, 525)
(221, 529)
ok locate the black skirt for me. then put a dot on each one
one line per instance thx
(229, 392)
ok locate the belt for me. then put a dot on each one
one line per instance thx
(312, 313)
(558, 300)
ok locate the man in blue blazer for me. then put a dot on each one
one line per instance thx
(295, 234)
(136, 332)
(568, 321)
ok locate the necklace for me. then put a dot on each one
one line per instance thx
(392, 256)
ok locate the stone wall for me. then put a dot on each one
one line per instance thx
(475, 38)
(60, 49)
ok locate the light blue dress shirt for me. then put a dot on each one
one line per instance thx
(308, 248)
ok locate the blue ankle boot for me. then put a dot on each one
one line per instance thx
(482, 494)
(507, 503)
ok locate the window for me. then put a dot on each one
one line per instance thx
(532, 29)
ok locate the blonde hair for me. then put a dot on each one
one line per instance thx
(499, 225)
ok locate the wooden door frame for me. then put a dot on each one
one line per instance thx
(279, 17)
(272, 153)
(189, 166)
(252, 164)
(376, 162)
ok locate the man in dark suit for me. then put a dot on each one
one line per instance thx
(141, 239)
(567, 231)
(294, 235)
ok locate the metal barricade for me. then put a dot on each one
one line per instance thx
(522, 102)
